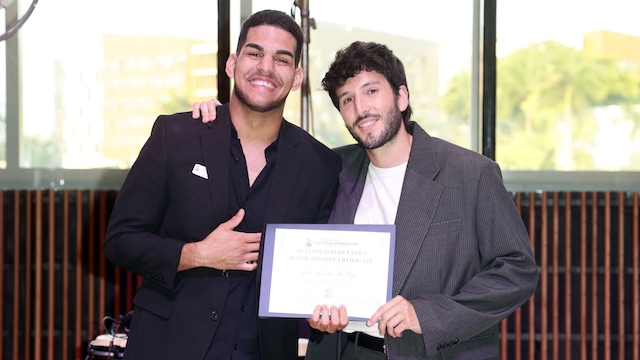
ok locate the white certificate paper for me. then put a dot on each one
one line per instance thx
(305, 265)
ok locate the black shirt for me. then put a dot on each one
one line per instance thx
(237, 334)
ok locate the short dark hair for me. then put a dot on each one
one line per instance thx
(275, 18)
(365, 56)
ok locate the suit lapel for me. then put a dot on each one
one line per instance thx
(418, 200)
(352, 179)
(416, 209)
(418, 203)
(216, 142)
(289, 162)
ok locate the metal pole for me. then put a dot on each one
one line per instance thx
(304, 94)
(489, 80)
(224, 50)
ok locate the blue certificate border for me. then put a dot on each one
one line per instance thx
(267, 261)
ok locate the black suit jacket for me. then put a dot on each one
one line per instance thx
(162, 205)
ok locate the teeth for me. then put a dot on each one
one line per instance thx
(263, 83)
(366, 123)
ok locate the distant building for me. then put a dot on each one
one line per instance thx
(145, 76)
(623, 48)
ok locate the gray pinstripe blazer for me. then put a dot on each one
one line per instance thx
(463, 257)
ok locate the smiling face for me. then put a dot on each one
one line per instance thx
(264, 70)
(370, 109)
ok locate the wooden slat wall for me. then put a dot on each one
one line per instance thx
(57, 286)
(587, 305)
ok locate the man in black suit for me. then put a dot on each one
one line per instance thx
(189, 216)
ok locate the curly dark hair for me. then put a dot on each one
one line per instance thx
(275, 18)
(365, 56)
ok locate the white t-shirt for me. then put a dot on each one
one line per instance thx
(378, 205)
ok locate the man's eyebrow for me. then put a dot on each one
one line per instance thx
(255, 46)
(284, 52)
(370, 83)
(260, 48)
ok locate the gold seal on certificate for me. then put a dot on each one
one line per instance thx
(305, 265)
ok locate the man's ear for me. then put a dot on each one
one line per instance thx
(230, 67)
(297, 78)
(403, 98)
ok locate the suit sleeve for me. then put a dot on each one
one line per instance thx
(132, 239)
(507, 277)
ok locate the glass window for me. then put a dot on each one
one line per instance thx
(433, 40)
(86, 80)
(95, 75)
(568, 86)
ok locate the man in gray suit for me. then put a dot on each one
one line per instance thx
(463, 259)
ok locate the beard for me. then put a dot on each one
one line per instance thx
(392, 121)
(257, 107)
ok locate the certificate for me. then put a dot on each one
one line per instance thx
(305, 265)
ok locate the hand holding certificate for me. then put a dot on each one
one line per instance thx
(307, 265)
